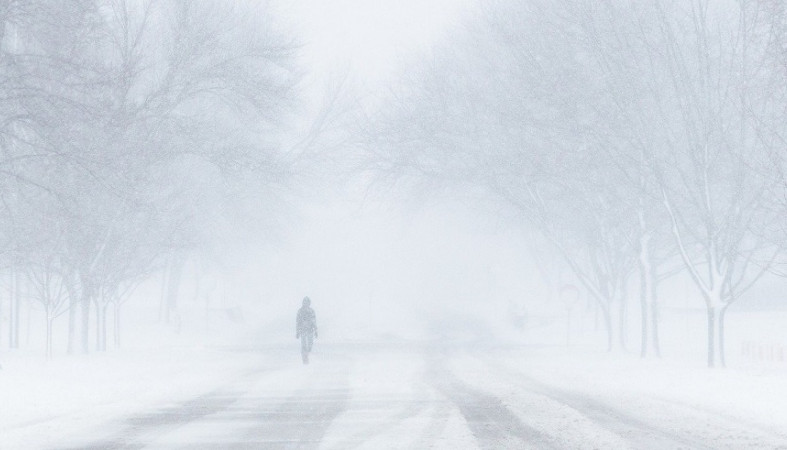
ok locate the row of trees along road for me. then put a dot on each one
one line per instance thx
(636, 137)
(124, 125)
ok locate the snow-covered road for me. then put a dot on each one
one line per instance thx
(571, 416)
(381, 397)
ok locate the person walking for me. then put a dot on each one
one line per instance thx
(306, 328)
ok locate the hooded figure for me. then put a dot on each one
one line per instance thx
(306, 328)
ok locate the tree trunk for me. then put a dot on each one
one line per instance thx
(13, 311)
(722, 314)
(97, 308)
(101, 327)
(607, 316)
(623, 323)
(173, 284)
(49, 322)
(643, 306)
(103, 315)
(654, 311)
(197, 290)
(163, 313)
(85, 323)
(645, 292)
(28, 316)
(654, 321)
(73, 306)
(116, 328)
(713, 314)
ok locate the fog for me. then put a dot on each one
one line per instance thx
(377, 224)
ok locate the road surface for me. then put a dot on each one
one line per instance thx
(378, 398)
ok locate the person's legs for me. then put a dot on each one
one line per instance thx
(307, 340)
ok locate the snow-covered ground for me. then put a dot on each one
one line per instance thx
(387, 396)
(45, 402)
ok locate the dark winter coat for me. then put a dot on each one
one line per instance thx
(306, 321)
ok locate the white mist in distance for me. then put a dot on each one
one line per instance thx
(386, 273)
(373, 266)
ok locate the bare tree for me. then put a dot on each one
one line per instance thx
(717, 83)
(610, 127)
(487, 114)
(112, 96)
(50, 292)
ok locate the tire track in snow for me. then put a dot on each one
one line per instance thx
(380, 427)
(140, 429)
(435, 427)
(248, 412)
(303, 419)
(401, 410)
(493, 425)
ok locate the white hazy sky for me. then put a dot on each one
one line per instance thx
(370, 38)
